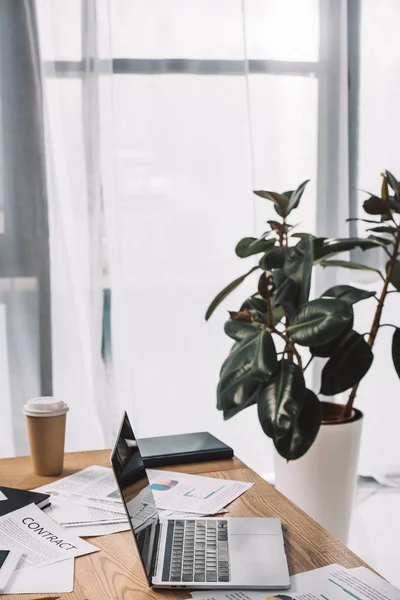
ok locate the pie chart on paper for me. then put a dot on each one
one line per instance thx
(163, 485)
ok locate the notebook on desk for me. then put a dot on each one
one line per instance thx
(183, 448)
(11, 499)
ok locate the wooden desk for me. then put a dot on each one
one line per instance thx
(116, 573)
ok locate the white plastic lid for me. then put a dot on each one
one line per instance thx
(45, 407)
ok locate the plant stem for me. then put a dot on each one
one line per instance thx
(377, 317)
(308, 362)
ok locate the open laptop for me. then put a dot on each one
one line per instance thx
(246, 553)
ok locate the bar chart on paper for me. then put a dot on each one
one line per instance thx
(193, 493)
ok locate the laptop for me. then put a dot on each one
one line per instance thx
(245, 553)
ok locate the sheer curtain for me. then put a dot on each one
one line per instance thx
(158, 120)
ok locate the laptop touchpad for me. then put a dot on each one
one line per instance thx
(257, 559)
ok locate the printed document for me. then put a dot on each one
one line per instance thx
(41, 539)
(53, 579)
(94, 486)
(329, 583)
(193, 493)
(71, 515)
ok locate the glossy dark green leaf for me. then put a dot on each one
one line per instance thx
(326, 350)
(320, 321)
(302, 235)
(273, 259)
(327, 247)
(348, 293)
(395, 276)
(396, 350)
(254, 358)
(249, 246)
(304, 431)
(347, 365)
(279, 200)
(363, 220)
(376, 206)
(347, 264)
(255, 302)
(383, 229)
(392, 181)
(379, 240)
(280, 401)
(239, 330)
(226, 291)
(295, 197)
(250, 396)
(298, 267)
(287, 294)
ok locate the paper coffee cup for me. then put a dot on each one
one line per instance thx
(46, 419)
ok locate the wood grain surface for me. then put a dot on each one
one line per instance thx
(115, 573)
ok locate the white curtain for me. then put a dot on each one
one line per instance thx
(160, 118)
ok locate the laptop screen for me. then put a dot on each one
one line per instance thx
(136, 493)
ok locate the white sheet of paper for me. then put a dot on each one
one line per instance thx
(53, 579)
(94, 487)
(329, 583)
(97, 530)
(2, 496)
(70, 515)
(298, 583)
(193, 493)
(42, 540)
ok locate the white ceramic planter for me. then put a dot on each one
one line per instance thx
(323, 481)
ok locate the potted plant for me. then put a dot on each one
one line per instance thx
(277, 333)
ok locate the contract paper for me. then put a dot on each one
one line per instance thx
(98, 530)
(53, 579)
(41, 539)
(329, 583)
(193, 493)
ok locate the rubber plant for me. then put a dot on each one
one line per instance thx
(272, 327)
(385, 207)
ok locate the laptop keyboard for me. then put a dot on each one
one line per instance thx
(199, 551)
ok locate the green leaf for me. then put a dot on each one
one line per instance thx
(383, 229)
(364, 220)
(304, 431)
(346, 264)
(280, 401)
(348, 364)
(250, 360)
(295, 197)
(327, 247)
(255, 302)
(380, 241)
(396, 350)
(248, 400)
(226, 291)
(298, 267)
(249, 246)
(273, 259)
(348, 293)
(392, 181)
(279, 200)
(303, 235)
(376, 206)
(395, 276)
(320, 321)
(239, 330)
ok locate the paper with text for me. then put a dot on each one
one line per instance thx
(329, 583)
(193, 493)
(42, 540)
(71, 515)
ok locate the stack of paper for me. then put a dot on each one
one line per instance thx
(43, 543)
(89, 502)
(328, 583)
